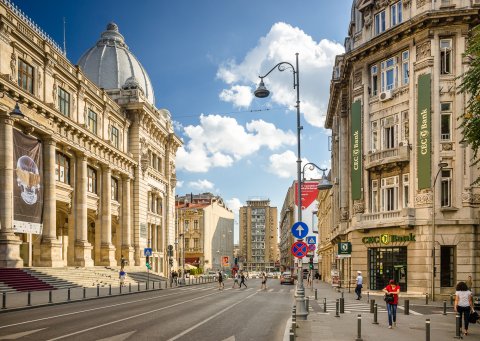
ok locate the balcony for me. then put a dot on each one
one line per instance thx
(387, 158)
(403, 218)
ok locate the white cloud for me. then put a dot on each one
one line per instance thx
(234, 204)
(280, 44)
(201, 185)
(218, 141)
(284, 165)
(179, 184)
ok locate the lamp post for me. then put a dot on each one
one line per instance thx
(441, 165)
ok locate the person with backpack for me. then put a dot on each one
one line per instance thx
(221, 285)
(463, 304)
(242, 280)
(391, 298)
(264, 282)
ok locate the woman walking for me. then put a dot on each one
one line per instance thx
(391, 298)
(463, 304)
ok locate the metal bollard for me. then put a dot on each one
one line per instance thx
(337, 307)
(342, 294)
(129, 287)
(316, 296)
(325, 305)
(29, 299)
(98, 290)
(109, 289)
(84, 292)
(307, 303)
(4, 300)
(120, 289)
(68, 294)
(427, 330)
(138, 286)
(444, 307)
(50, 296)
(426, 298)
(457, 326)
(451, 299)
(375, 314)
(153, 285)
(292, 335)
(342, 305)
(359, 328)
(368, 296)
(407, 307)
(372, 304)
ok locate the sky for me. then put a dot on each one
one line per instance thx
(204, 59)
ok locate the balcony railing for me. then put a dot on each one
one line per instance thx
(381, 215)
(384, 157)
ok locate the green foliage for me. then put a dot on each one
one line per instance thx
(470, 86)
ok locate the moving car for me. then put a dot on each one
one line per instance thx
(286, 278)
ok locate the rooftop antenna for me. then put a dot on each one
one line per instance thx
(64, 37)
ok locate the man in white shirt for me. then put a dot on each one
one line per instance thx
(358, 288)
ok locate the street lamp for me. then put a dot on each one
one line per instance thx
(262, 92)
(16, 112)
(441, 165)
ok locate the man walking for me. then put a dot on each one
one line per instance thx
(235, 280)
(358, 288)
(242, 280)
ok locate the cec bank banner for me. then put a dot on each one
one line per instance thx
(424, 167)
(356, 148)
(27, 184)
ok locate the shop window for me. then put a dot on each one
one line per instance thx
(374, 73)
(62, 168)
(25, 76)
(406, 191)
(92, 179)
(446, 56)
(92, 121)
(380, 25)
(447, 266)
(446, 188)
(114, 185)
(63, 102)
(405, 67)
(114, 136)
(446, 121)
(387, 263)
(396, 13)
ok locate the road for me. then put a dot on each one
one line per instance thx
(188, 313)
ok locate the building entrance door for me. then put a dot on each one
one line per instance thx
(386, 263)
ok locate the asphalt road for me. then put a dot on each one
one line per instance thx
(189, 313)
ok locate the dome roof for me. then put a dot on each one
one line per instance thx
(110, 64)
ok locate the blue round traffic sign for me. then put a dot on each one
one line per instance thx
(299, 230)
(299, 249)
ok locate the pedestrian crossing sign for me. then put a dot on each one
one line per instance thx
(312, 240)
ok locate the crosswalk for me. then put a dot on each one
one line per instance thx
(352, 307)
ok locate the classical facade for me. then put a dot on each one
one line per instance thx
(204, 230)
(404, 198)
(287, 219)
(327, 259)
(258, 236)
(107, 172)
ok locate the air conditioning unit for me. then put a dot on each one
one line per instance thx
(385, 96)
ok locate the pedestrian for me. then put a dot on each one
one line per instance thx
(175, 277)
(317, 276)
(221, 285)
(242, 280)
(391, 298)
(463, 304)
(235, 280)
(469, 283)
(310, 279)
(359, 286)
(264, 281)
(122, 276)
(122, 262)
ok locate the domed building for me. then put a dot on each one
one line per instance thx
(105, 188)
(404, 198)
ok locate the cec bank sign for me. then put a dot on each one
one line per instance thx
(388, 239)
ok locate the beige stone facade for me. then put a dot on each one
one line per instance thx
(205, 231)
(326, 249)
(258, 236)
(287, 219)
(384, 148)
(108, 159)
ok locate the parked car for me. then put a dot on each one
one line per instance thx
(286, 278)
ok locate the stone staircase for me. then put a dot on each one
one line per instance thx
(139, 274)
(20, 280)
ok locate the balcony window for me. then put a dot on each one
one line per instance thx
(389, 192)
(445, 56)
(446, 188)
(114, 136)
(62, 168)
(114, 185)
(196, 243)
(406, 191)
(396, 14)
(405, 67)
(195, 224)
(159, 205)
(390, 132)
(374, 72)
(186, 225)
(63, 102)
(446, 121)
(92, 121)
(389, 74)
(92, 179)
(25, 76)
(375, 140)
(374, 197)
(380, 26)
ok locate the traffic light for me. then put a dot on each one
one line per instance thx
(310, 264)
(170, 261)
(147, 263)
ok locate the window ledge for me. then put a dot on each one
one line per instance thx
(448, 209)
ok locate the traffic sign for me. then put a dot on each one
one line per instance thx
(311, 247)
(299, 249)
(299, 230)
(311, 240)
(147, 251)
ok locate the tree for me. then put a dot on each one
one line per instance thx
(470, 86)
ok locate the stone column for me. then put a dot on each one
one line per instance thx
(107, 250)
(9, 242)
(83, 249)
(50, 247)
(127, 248)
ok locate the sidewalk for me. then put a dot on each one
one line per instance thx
(325, 326)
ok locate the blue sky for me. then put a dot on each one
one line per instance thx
(203, 58)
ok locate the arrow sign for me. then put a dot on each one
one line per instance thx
(312, 240)
(299, 230)
(299, 249)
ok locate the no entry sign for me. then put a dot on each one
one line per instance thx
(299, 249)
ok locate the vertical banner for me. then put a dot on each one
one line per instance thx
(356, 148)
(309, 193)
(27, 184)
(424, 157)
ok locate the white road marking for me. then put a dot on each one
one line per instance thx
(129, 318)
(119, 337)
(211, 317)
(231, 338)
(413, 312)
(19, 335)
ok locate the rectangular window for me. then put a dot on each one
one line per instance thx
(92, 121)
(374, 146)
(25, 76)
(406, 191)
(92, 179)
(186, 225)
(374, 72)
(390, 132)
(445, 56)
(153, 203)
(195, 224)
(396, 14)
(388, 78)
(114, 185)
(447, 266)
(62, 168)
(446, 188)
(63, 102)
(374, 198)
(446, 121)
(390, 194)
(159, 206)
(405, 67)
(196, 243)
(187, 243)
(380, 23)
(114, 136)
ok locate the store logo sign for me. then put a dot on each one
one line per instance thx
(386, 239)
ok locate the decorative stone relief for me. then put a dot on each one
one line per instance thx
(381, 3)
(420, 3)
(469, 197)
(13, 67)
(424, 198)
(447, 146)
(406, 3)
(358, 206)
(39, 77)
(344, 213)
(423, 50)
(357, 79)
(54, 94)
